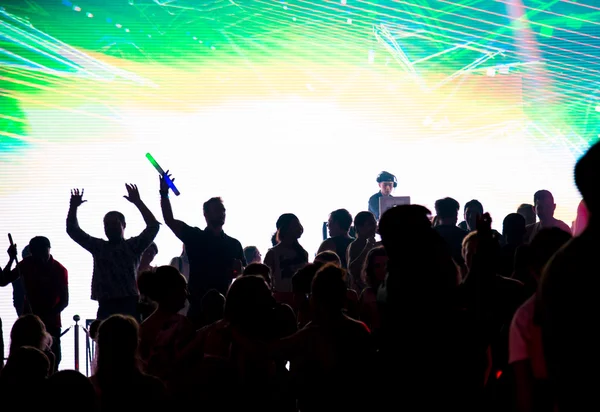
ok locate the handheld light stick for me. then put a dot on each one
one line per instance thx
(163, 174)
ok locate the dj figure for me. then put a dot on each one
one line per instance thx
(387, 183)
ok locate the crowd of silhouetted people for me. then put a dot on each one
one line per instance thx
(436, 315)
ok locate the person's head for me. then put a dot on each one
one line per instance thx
(544, 205)
(28, 330)
(302, 279)
(543, 246)
(94, 329)
(387, 182)
(528, 212)
(375, 267)
(259, 269)
(328, 289)
(249, 304)
(513, 228)
(288, 228)
(252, 255)
(26, 252)
(446, 210)
(39, 247)
(214, 213)
(114, 226)
(117, 342)
(165, 286)
(149, 255)
(365, 225)
(339, 222)
(72, 385)
(400, 224)
(473, 209)
(587, 176)
(469, 248)
(27, 364)
(328, 256)
(212, 306)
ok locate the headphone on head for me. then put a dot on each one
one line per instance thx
(387, 177)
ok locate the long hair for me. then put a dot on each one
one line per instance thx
(118, 338)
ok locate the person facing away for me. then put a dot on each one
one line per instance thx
(287, 257)
(119, 382)
(214, 256)
(366, 228)
(165, 332)
(526, 352)
(447, 211)
(45, 282)
(581, 221)
(182, 264)
(513, 231)
(117, 259)
(528, 212)
(387, 183)
(544, 208)
(30, 331)
(339, 235)
(569, 303)
(19, 288)
(252, 255)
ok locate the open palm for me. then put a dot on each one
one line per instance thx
(133, 194)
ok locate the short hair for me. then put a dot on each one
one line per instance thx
(328, 287)
(258, 269)
(157, 284)
(120, 216)
(474, 204)
(211, 201)
(447, 207)
(39, 242)
(343, 218)
(362, 218)
(250, 252)
(540, 194)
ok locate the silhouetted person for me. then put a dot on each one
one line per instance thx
(19, 288)
(328, 256)
(182, 264)
(71, 391)
(29, 330)
(147, 258)
(116, 261)
(422, 274)
(447, 212)
(528, 212)
(22, 381)
(373, 273)
(387, 183)
(544, 208)
(366, 227)
(165, 332)
(46, 285)
(473, 210)
(526, 352)
(252, 255)
(339, 235)
(214, 257)
(287, 257)
(513, 230)
(119, 382)
(569, 303)
(259, 269)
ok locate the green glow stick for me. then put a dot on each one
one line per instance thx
(163, 174)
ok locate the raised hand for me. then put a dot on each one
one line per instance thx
(12, 251)
(164, 187)
(133, 194)
(484, 225)
(77, 197)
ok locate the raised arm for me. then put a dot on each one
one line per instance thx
(7, 275)
(177, 226)
(73, 230)
(145, 238)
